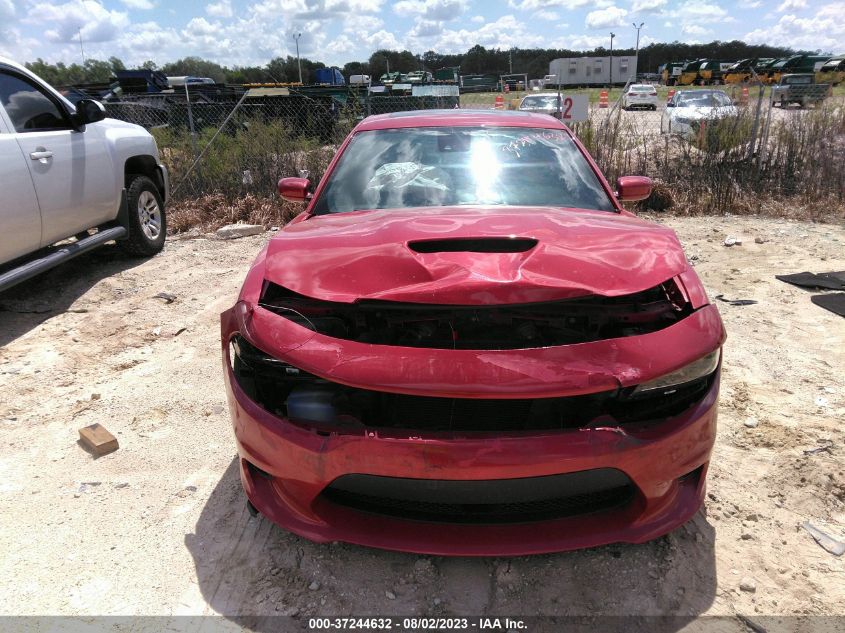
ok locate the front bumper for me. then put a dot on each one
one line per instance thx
(285, 469)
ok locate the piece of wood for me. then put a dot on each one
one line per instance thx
(98, 439)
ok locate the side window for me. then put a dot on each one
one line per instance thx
(28, 107)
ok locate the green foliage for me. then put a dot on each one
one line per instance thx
(478, 59)
(196, 67)
(249, 158)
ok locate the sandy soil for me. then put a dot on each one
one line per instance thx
(160, 526)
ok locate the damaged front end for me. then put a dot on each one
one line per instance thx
(556, 365)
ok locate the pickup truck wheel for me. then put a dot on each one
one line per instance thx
(146, 221)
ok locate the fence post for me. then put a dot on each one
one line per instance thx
(191, 121)
(764, 137)
(752, 145)
(205, 149)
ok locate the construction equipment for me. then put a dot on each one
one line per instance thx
(795, 64)
(743, 71)
(670, 72)
(702, 72)
(832, 72)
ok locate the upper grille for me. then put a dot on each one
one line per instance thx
(494, 327)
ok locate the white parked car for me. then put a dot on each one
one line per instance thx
(640, 96)
(71, 179)
(687, 109)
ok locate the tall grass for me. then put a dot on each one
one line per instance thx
(794, 167)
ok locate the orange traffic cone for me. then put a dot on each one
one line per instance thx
(670, 95)
(603, 99)
(743, 99)
(499, 103)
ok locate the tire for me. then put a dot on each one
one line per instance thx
(146, 220)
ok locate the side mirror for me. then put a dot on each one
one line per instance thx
(89, 111)
(294, 189)
(633, 188)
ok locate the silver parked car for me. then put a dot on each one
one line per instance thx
(688, 109)
(71, 179)
(544, 102)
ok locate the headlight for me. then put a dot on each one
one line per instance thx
(700, 368)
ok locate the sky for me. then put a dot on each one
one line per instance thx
(251, 32)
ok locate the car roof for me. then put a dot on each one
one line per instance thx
(700, 92)
(458, 118)
(8, 62)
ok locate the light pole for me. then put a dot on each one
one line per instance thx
(637, 54)
(612, 35)
(296, 37)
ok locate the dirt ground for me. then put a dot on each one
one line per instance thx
(160, 526)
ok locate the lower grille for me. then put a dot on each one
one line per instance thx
(484, 502)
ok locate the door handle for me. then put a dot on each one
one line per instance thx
(41, 155)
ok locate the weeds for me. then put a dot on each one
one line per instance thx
(795, 167)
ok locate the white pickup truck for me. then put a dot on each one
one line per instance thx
(71, 179)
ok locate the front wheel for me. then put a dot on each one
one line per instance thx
(146, 220)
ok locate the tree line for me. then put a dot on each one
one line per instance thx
(478, 59)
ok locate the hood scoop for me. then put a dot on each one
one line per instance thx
(474, 245)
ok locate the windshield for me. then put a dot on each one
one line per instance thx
(703, 100)
(430, 167)
(546, 102)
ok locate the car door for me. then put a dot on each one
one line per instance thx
(71, 170)
(19, 214)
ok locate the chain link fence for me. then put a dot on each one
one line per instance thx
(241, 147)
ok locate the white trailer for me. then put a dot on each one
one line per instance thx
(593, 71)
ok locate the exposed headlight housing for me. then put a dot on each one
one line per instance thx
(700, 368)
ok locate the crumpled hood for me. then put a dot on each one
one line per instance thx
(365, 255)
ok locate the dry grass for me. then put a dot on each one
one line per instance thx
(210, 212)
(800, 172)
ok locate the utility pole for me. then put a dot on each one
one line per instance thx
(80, 45)
(510, 61)
(296, 37)
(612, 35)
(637, 54)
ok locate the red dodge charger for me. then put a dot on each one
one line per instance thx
(465, 345)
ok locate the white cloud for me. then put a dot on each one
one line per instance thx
(548, 15)
(505, 32)
(693, 9)
(648, 6)
(750, 4)
(222, 9)
(63, 22)
(695, 30)
(478, 19)
(425, 28)
(606, 18)
(535, 5)
(825, 31)
(792, 5)
(582, 42)
(142, 5)
(7, 10)
(441, 10)
(381, 39)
